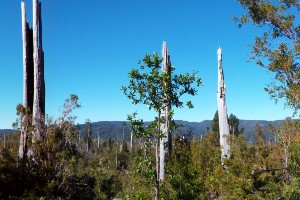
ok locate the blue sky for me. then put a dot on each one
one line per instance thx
(91, 45)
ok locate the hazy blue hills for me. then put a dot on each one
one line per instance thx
(5, 131)
(114, 129)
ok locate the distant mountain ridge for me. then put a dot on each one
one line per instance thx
(5, 131)
(114, 129)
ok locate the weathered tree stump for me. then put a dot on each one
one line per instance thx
(222, 109)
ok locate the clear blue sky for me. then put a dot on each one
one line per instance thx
(91, 45)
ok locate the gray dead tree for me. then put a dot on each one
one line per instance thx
(27, 38)
(38, 111)
(222, 109)
(33, 75)
(165, 144)
(98, 140)
(131, 141)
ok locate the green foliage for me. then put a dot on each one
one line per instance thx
(157, 89)
(206, 159)
(123, 157)
(289, 139)
(181, 182)
(147, 84)
(79, 187)
(233, 122)
(142, 177)
(194, 171)
(278, 48)
(215, 124)
(49, 168)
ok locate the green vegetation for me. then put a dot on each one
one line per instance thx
(67, 164)
(278, 47)
(61, 167)
(158, 89)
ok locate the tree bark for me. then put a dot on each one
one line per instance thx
(131, 140)
(39, 91)
(41, 54)
(28, 80)
(222, 109)
(98, 141)
(166, 141)
(157, 158)
(25, 56)
(25, 78)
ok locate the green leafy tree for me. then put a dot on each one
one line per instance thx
(289, 140)
(215, 123)
(267, 167)
(262, 149)
(215, 127)
(147, 86)
(278, 48)
(234, 122)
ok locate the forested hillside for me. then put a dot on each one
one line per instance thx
(113, 129)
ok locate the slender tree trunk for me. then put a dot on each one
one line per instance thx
(28, 78)
(25, 85)
(166, 141)
(122, 143)
(28, 81)
(41, 58)
(222, 109)
(87, 145)
(286, 164)
(39, 84)
(157, 169)
(157, 158)
(131, 140)
(98, 142)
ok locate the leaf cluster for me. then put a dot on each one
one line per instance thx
(156, 89)
(278, 48)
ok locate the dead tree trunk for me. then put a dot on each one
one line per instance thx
(39, 83)
(131, 140)
(166, 141)
(157, 160)
(25, 78)
(34, 84)
(117, 142)
(42, 69)
(28, 80)
(98, 141)
(27, 61)
(222, 109)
